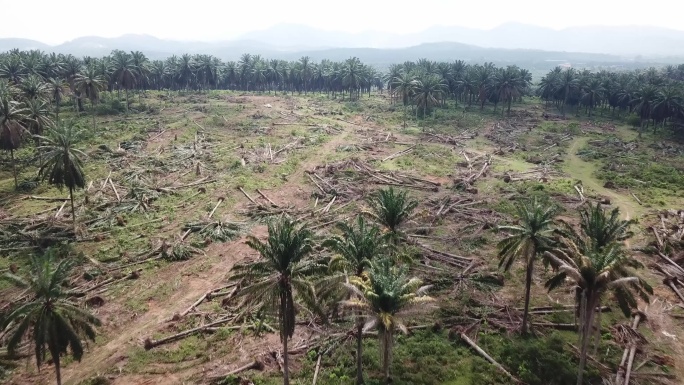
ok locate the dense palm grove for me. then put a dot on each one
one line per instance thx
(653, 96)
(364, 274)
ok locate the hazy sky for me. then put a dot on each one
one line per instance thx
(54, 22)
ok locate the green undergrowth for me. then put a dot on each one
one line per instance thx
(437, 358)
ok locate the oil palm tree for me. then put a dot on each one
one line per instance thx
(429, 90)
(508, 85)
(56, 87)
(124, 72)
(53, 323)
(38, 117)
(595, 273)
(403, 86)
(63, 163)
(600, 227)
(568, 81)
(11, 127)
(355, 250)
(592, 93)
(281, 274)
(90, 84)
(528, 239)
(387, 298)
(643, 102)
(392, 208)
(33, 87)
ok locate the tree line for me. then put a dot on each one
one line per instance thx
(654, 96)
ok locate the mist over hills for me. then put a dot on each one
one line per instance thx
(621, 40)
(512, 43)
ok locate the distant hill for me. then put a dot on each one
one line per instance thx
(22, 44)
(620, 40)
(291, 43)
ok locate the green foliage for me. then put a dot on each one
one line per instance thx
(54, 323)
(544, 360)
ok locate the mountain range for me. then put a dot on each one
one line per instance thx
(511, 43)
(619, 40)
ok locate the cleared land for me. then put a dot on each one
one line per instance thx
(180, 166)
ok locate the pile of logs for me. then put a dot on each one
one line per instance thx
(473, 168)
(268, 154)
(541, 173)
(348, 179)
(456, 140)
(669, 247)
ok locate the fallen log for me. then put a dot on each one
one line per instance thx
(248, 197)
(256, 365)
(581, 195)
(630, 351)
(60, 209)
(149, 343)
(46, 198)
(398, 154)
(197, 183)
(118, 198)
(673, 263)
(220, 200)
(318, 367)
(670, 282)
(316, 183)
(558, 326)
(488, 357)
(267, 198)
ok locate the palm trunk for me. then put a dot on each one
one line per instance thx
(284, 336)
(14, 169)
(386, 353)
(405, 113)
(286, 361)
(588, 314)
(73, 211)
(54, 352)
(359, 348)
(528, 287)
(126, 91)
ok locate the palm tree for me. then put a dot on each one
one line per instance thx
(567, 82)
(124, 72)
(56, 88)
(281, 273)
(355, 249)
(591, 94)
(392, 208)
(509, 85)
(63, 164)
(529, 239)
(645, 99)
(594, 273)
(600, 228)
(387, 298)
(54, 323)
(429, 89)
(37, 119)
(89, 83)
(11, 118)
(352, 76)
(404, 86)
(33, 87)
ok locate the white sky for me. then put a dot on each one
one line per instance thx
(54, 22)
